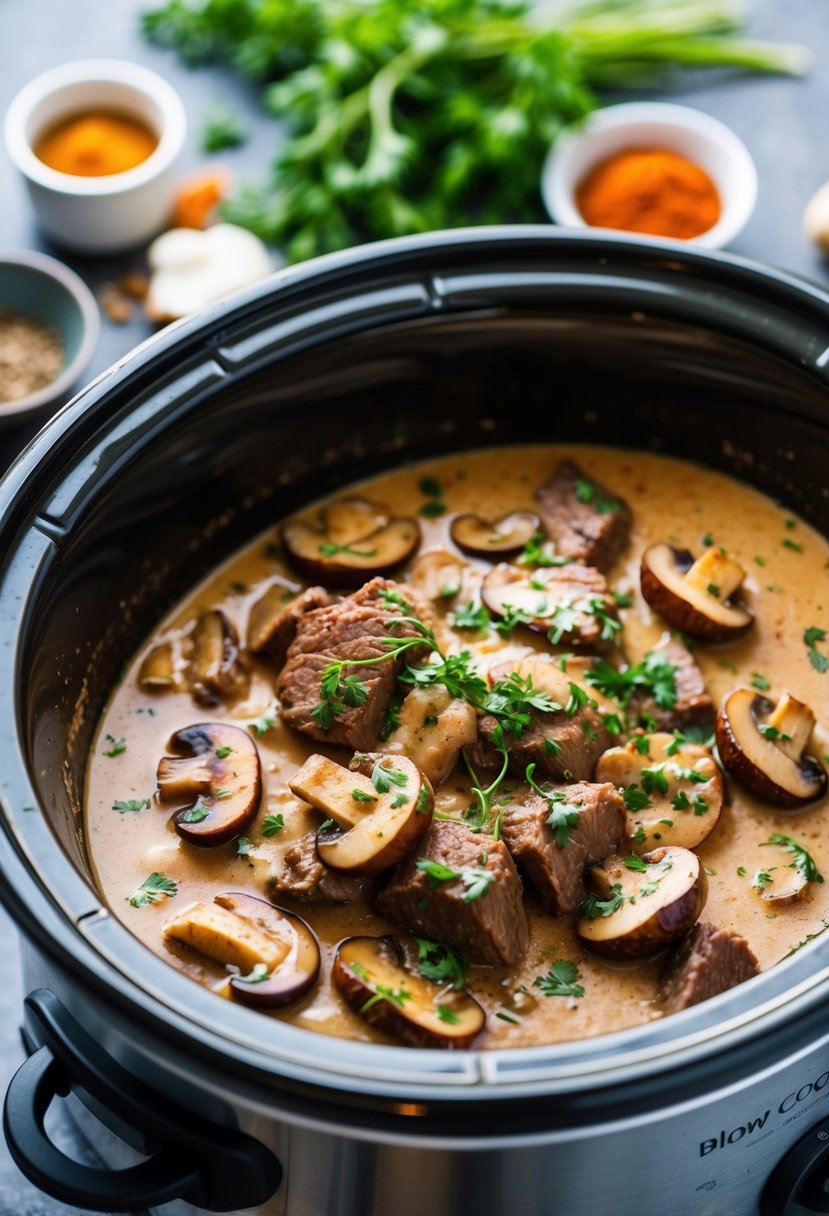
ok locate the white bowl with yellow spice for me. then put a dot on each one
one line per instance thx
(49, 327)
(654, 169)
(97, 142)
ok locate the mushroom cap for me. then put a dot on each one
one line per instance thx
(657, 902)
(415, 1009)
(675, 587)
(761, 763)
(354, 541)
(215, 771)
(296, 972)
(494, 539)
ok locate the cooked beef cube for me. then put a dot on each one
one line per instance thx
(304, 877)
(584, 519)
(491, 928)
(556, 871)
(272, 624)
(708, 961)
(563, 746)
(693, 705)
(352, 628)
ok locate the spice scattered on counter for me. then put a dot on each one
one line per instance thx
(115, 304)
(650, 190)
(96, 145)
(31, 356)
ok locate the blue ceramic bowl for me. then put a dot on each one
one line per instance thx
(41, 287)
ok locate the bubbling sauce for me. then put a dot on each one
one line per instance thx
(690, 507)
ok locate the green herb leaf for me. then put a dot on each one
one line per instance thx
(152, 889)
(223, 128)
(560, 980)
(116, 746)
(802, 861)
(131, 804)
(441, 963)
(272, 825)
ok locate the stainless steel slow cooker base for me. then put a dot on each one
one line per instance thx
(195, 443)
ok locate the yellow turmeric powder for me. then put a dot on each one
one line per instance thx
(96, 145)
(649, 190)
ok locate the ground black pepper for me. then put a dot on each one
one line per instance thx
(31, 355)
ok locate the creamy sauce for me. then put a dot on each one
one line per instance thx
(788, 590)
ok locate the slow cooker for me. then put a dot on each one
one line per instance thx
(195, 442)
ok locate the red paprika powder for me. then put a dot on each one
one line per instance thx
(649, 190)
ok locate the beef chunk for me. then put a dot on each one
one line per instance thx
(272, 624)
(708, 961)
(304, 877)
(350, 629)
(489, 929)
(562, 746)
(584, 519)
(693, 705)
(556, 871)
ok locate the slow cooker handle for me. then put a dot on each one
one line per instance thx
(217, 1168)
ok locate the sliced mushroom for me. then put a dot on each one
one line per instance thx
(482, 538)
(570, 603)
(763, 747)
(695, 596)
(673, 791)
(369, 973)
(433, 727)
(437, 576)
(226, 938)
(214, 769)
(641, 907)
(157, 672)
(215, 672)
(273, 619)
(354, 540)
(576, 668)
(781, 887)
(275, 952)
(379, 818)
(298, 969)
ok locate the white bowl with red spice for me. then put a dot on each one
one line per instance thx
(652, 168)
(49, 327)
(97, 142)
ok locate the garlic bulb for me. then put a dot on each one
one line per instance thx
(191, 269)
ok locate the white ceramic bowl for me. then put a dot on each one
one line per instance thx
(688, 132)
(98, 214)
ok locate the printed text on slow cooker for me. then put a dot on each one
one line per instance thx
(787, 1104)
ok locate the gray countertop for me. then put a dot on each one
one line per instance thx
(782, 121)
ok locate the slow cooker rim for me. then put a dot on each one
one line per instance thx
(301, 279)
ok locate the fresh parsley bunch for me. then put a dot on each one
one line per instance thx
(403, 118)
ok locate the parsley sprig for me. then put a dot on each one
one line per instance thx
(439, 962)
(802, 860)
(563, 816)
(476, 881)
(560, 980)
(152, 889)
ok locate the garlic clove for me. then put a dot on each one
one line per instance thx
(192, 269)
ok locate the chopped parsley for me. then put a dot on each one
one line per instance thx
(560, 980)
(802, 860)
(243, 846)
(116, 746)
(152, 889)
(384, 778)
(588, 493)
(331, 550)
(447, 1015)
(477, 882)
(131, 804)
(471, 617)
(811, 637)
(391, 719)
(655, 675)
(788, 543)
(432, 491)
(361, 796)
(634, 798)
(272, 825)
(438, 962)
(257, 975)
(759, 682)
(636, 863)
(771, 732)
(396, 996)
(594, 907)
(536, 552)
(263, 724)
(197, 813)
